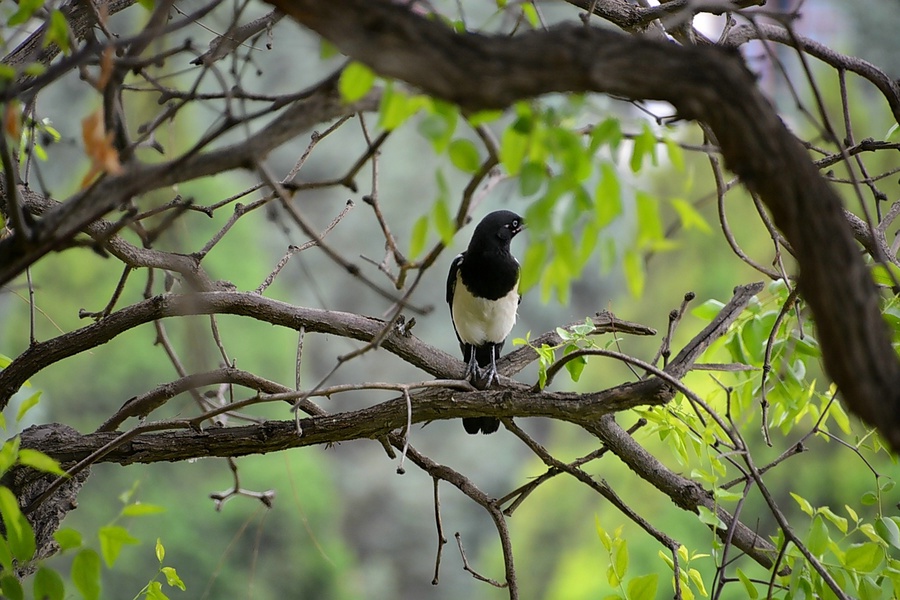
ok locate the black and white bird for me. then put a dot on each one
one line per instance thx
(483, 294)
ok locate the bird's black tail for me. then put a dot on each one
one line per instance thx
(483, 357)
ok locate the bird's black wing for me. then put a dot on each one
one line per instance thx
(451, 277)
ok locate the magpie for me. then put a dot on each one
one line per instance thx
(483, 294)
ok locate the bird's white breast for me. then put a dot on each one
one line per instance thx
(479, 320)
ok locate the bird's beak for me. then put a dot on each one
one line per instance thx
(519, 228)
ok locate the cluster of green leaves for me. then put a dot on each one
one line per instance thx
(643, 587)
(573, 339)
(858, 553)
(18, 545)
(857, 550)
(571, 174)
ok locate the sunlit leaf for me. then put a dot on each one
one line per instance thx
(608, 132)
(418, 236)
(531, 15)
(26, 9)
(532, 265)
(818, 536)
(689, 217)
(86, 573)
(608, 196)
(749, 587)
(112, 538)
(513, 147)
(9, 453)
(633, 267)
(140, 509)
(57, 31)
(676, 154)
(643, 587)
(863, 557)
(40, 461)
(67, 538)
(160, 550)
(644, 144)
(172, 578)
(355, 82)
(19, 533)
(154, 591)
(443, 221)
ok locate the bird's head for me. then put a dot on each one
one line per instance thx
(500, 225)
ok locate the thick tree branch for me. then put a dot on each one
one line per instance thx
(705, 84)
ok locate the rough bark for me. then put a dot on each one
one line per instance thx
(706, 84)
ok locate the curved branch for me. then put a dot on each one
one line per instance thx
(774, 33)
(705, 84)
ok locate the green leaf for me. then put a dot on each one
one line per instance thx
(160, 550)
(48, 585)
(531, 15)
(26, 9)
(710, 518)
(643, 587)
(27, 405)
(392, 110)
(650, 227)
(355, 82)
(697, 580)
(86, 573)
(443, 221)
(67, 538)
(708, 310)
(839, 522)
(418, 236)
(483, 116)
(805, 506)
(327, 49)
(147, 4)
(154, 591)
(608, 132)
(633, 267)
(751, 590)
(439, 126)
(644, 144)
(531, 178)
(19, 533)
(620, 563)
(9, 453)
(40, 461)
(139, 509)
(464, 155)
(818, 536)
(576, 365)
(689, 217)
(172, 578)
(676, 154)
(532, 265)
(604, 537)
(57, 31)
(863, 557)
(869, 499)
(11, 588)
(888, 531)
(6, 558)
(608, 196)
(514, 145)
(112, 538)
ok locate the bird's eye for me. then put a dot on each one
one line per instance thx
(515, 223)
